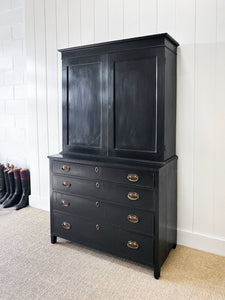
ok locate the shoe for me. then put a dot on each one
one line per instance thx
(11, 185)
(6, 184)
(2, 181)
(18, 190)
(25, 182)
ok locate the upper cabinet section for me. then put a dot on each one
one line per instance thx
(119, 98)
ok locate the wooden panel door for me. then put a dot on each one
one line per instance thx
(136, 95)
(83, 98)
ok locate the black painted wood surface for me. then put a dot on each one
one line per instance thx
(119, 123)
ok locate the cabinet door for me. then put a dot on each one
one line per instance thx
(83, 109)
(136, 95)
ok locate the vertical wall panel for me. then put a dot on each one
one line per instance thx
(115, 19)
(219, 182)
(185, 24)
(62, 42)
(101, 20)
(166, 16)
(42, 109)
(131, 18)
(148, 17)
(62, 23)
(32, 102)
(87, 22)
(204, 117)
(51, 65)
(74, 8)
(199, 28)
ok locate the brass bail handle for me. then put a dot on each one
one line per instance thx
(65, 168)
(66, 225)
(133, 196)
(133, 177)
(66, 184)
(133, 219)
(132, 245)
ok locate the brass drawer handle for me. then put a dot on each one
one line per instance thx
(133, 177)
(66, 184)
(133, 196)
(96, 169)
(97, 227)
(65, 203)
(132, 245)
(65, 168)
(97, 185)
(133, 219)
(66, 225)
(97, 204)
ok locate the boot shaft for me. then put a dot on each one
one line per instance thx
(25, 181)
(2, 178)
(17, 179)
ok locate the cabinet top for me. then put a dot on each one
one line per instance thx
(162, 39)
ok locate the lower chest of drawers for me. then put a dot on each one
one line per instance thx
(113, 209)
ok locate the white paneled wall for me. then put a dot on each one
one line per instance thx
(13, 102)
(199, 27)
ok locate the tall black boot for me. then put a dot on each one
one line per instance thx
(18, 190)
(6, 186)
(11, 186)
(25, 182)
(2, 181)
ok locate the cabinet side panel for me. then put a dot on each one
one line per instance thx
(170, 105)
(167, 209)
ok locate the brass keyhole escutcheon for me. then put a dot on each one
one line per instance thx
(97, 227)
(97, 204)
(97, 185)
(96, 169)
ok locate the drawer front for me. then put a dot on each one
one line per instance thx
(131, 196)
(79, 170)
(80, 229)
(130, 218)
(121, 242)
(76, 186)
(78, 205)
(127, 176)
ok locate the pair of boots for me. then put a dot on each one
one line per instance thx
(14, 187)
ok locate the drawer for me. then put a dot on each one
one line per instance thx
(78, 205)
(77, 228)
(131, 196)
(79, 170)
(129, 176)
(129, 218)
(75, 186)
(104, 237)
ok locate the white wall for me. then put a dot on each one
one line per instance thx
(199, 26)
(13, 102)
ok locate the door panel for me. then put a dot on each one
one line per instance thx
(134, 100)
(83, 98)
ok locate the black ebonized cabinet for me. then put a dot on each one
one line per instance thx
(114, 185)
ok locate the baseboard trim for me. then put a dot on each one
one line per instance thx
(39, 202)
(201, 242)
